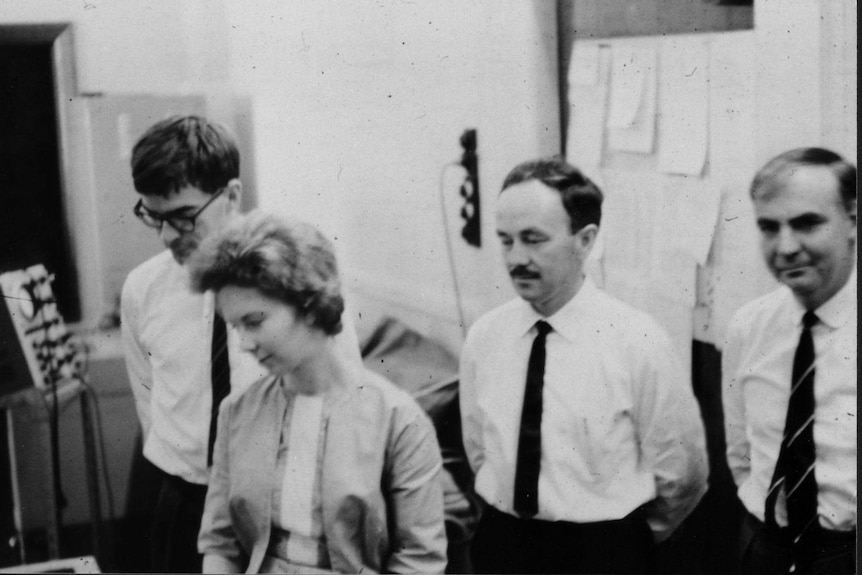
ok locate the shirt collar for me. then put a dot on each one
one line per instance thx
(565, 318)
(836, 311)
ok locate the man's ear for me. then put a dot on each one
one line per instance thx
(586, 238)
(233, 192)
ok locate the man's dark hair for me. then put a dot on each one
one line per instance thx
(581, 197)
(844, 171)
(184, 151)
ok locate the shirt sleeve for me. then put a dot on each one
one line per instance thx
(415, 496)
(471, 424)
(738, 448)
(671, 435)
(137, 364)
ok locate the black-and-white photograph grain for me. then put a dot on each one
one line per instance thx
(440, 286)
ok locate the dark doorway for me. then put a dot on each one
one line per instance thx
(32, 221)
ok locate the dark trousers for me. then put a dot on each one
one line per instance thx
(176, 523)
(507, 544)
(765, 551)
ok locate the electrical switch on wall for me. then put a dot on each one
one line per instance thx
(471, 232)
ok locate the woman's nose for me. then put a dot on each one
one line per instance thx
(246, 342)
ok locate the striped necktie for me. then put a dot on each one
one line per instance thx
(220, 373)
(526, 502)
(794, 469)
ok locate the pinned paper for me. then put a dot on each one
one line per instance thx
(732, 91)
(690, 211)
(684, 119)
(628, 220)
(740, 274)
(584, 69)
(639, 135)
(588, 107)
(628, 80)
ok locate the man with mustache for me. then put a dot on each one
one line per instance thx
(586, 442)
(789, 373)
(181, 359)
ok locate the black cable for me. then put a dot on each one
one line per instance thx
(449, 249)
(54, 426)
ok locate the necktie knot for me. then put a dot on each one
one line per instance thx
(810, 319)
(544, 328)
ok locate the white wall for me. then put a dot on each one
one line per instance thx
(152, 46)
(358, 109)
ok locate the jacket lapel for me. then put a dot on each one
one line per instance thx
(260, 466)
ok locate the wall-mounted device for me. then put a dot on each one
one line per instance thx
(38, 350)
(471, 232)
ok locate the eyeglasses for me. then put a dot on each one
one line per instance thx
(182, 223)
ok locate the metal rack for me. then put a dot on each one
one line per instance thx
(37, 403)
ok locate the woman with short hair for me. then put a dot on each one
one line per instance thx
(321, 466)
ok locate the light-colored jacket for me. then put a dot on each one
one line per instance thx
(381, 497)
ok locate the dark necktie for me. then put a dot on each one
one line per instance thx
(526, 502)
(220, 373)
(794, 469)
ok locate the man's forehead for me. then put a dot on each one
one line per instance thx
(803, 189)
(528, 204)
(801, 181)
(186, 198)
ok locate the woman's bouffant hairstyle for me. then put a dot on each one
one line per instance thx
(284, 258)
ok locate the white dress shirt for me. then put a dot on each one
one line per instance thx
(167, 339)
(620, 427)
(757, 366)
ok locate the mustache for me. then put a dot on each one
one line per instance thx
(523, 272)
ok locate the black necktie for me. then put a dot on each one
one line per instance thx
(794, 469)
(220, 373)
(530, 439)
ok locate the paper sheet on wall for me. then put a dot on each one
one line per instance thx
(732, 90)
(690, 206)
(684, 109)
(687, 213)
(674, 272)
(740, 274)
(628, 80)
(584, 69)
(627, 225)
(587, 110)
(638, 135)
(643, 265)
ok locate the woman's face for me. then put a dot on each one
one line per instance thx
(269, 329)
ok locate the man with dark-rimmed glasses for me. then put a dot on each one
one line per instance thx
(181, 358)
